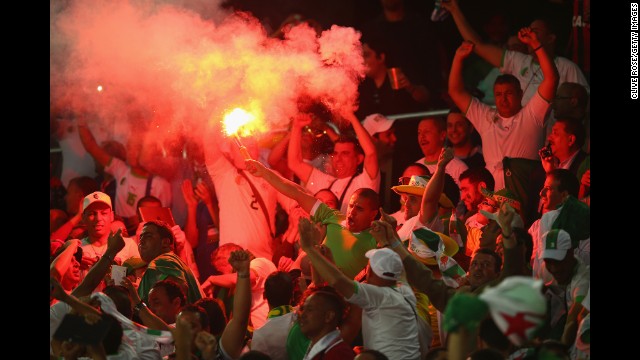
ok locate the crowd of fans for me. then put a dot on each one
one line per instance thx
(351, 235)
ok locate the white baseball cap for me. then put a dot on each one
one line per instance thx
(377, 123)
(556, 244)
(95, 197)
(385, 263)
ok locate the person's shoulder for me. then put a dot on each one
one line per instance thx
(516, 58)
(457, 163)
(561, 60)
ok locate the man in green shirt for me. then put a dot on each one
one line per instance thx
(156, 247)
(348, 236)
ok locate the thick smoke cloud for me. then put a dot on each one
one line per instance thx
(181, 65)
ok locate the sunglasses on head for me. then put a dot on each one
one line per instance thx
(404, 180)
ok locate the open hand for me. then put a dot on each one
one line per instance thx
(309, 234)
(255, 168)
(464, 50)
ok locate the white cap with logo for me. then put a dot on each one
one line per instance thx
(95, 197)
(556, 244)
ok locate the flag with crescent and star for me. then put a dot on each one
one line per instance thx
(517, 306)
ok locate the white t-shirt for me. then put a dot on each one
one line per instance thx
(389, 323)
(76, 161)
(520, 136)
(259, 306)
(242, 220)
(271, 338)
(130, 250)
(530, 75)
(319, 180)
(454, 168)
(131, 188)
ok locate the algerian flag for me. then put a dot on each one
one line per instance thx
(109, 307)
(574, 218)
(517, 306)
(425, 244)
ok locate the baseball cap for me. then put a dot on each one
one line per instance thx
(385, 263)
(94, 197)
(377, 123)
(556, 243)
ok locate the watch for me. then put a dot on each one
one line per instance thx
(139, 306)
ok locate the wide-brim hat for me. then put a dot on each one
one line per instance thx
(431, 239)
(417, 184)
(502, 196)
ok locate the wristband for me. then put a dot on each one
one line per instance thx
(244, 276)
(538, 48)
(396, 244)
(139, 306)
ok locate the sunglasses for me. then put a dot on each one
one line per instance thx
(315, 132)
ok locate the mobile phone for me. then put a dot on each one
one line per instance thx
(148, 213)
(118, 273)
(74, 328)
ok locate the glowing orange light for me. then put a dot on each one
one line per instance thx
(233, 121)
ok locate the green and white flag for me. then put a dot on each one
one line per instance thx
(517, 306)
(425, 244)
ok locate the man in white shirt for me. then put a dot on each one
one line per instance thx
(389, 320)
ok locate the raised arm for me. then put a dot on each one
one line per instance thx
(294, 155)
(418, 275)
(90, 144)
(190, 226)
(232, 338)
(491, 53)
(115, 243)
(309, 237)
(62, 262)
(279, 150)
(284, 186)
(459, 95)
(548, 86)
(63, 231)
(435, 186)
(148, 318)
(371, 165)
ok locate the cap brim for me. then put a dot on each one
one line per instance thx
(554, 254)
(370, 253)
(450, 248)
(418, 191)
(96, 202)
